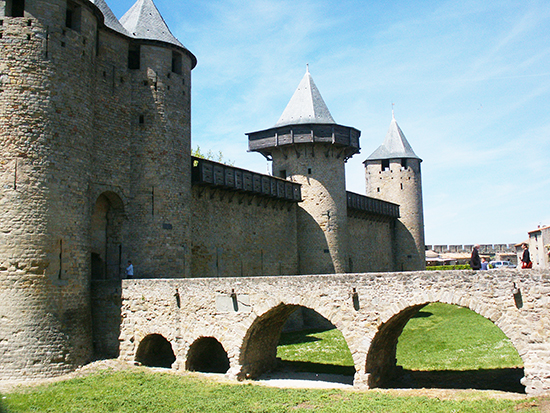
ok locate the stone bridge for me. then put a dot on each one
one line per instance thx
(232, 325)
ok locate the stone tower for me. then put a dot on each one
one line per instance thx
(94, 118)
(307, 146)
(160, 118)
(393, 175)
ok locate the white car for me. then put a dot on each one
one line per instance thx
(501, 264)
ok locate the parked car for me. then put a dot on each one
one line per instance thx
(501, 264)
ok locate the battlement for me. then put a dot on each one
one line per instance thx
(485, 248)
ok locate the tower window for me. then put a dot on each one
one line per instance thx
(72, 17)
(15, 8)
(141, 119)
(309, 171)
(385, 164)
(134, 57)
(177, 63)
(404, 163)
(282, 173)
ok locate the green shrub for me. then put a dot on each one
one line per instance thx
(448, 267)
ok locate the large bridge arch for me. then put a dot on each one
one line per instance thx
(380, 365)
(258, 351)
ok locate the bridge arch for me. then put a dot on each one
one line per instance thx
(381, 361)
(207, 355)
(258, 352)
(155, 351)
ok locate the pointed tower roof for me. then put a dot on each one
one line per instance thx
(144, 21)
(395, 145)
(306, 105)
(110, 19)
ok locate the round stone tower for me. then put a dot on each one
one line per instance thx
(393, 175)
(94, 134)
(308, 147)
(46, 113)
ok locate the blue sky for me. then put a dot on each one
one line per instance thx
(470, 81)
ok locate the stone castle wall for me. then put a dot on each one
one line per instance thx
(401, 184)
(234, 235)
(372, 246)
(322, 218)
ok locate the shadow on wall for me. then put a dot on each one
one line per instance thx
(316, 258)
(106, 297)
(408, 258)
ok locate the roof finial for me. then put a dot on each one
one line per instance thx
(392, 113)
(307, 67)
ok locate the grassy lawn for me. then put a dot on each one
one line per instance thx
(146, 391)
(440, 337)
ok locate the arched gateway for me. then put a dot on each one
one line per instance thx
(245, 315)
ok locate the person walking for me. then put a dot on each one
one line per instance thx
(475, 261)
(129, 270)
(526, 257)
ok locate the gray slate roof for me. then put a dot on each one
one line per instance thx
(306, 105)
(395, 145)
(110, 19)
(144, 21)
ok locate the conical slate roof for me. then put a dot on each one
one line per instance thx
(110, 19)
(395, 145)
(144, 21)
(306, 105)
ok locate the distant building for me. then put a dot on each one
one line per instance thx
(539, 247)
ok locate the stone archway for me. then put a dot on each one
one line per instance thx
(106, 237)
(155, 351)
(207, 355)
(383, 371)
(259, 347)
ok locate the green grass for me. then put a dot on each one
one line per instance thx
(446, 337)
(439, 337)
(316, 351)
(152, 392)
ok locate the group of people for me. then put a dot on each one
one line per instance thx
(477, 263)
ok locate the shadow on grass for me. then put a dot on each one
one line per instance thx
(299, 337)
(507, 380)
(422, 314)
(309, 367)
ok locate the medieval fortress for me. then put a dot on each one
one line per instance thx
(96, 169)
